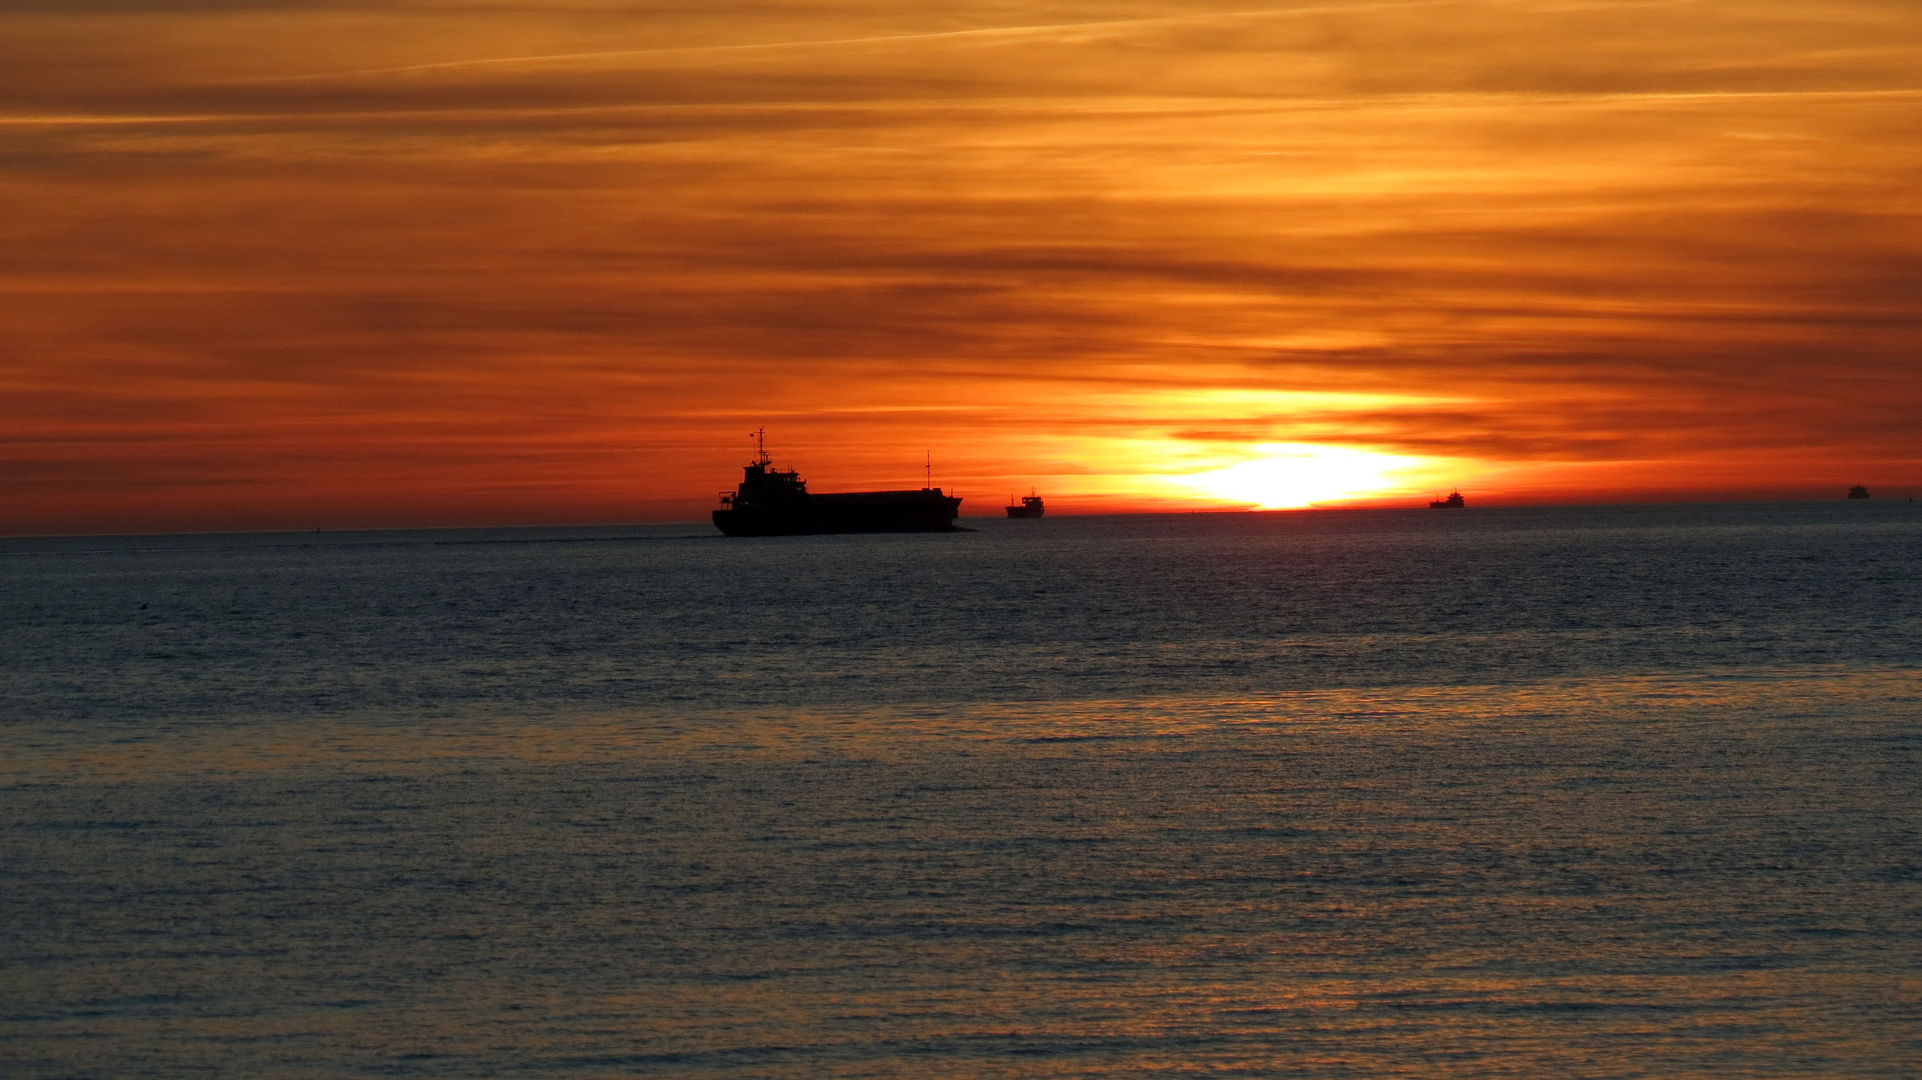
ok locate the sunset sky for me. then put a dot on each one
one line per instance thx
(300, 263)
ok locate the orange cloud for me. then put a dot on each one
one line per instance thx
(295, 264)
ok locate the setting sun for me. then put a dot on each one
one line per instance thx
(439, 264)
(1292, 475)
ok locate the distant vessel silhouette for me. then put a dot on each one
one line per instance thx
(1858, 492)
(1453, 502)
(773, 502)
(1030, 506)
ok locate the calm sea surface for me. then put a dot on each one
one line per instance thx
(1599, 792)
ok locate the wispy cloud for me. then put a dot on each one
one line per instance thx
(484, 262)
(1065, 31)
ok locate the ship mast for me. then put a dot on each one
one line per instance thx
(760, 446)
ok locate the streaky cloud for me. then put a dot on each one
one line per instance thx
(1039, 30)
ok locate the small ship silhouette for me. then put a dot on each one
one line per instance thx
(1030, 506)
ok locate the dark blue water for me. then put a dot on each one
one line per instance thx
(1594, 792)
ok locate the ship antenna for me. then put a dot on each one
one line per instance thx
(760, 445)
(930, 467)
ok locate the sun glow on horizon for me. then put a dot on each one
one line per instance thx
(415, 264)
(1294, 475)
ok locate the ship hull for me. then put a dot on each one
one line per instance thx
(849, 512)
(1024, 511)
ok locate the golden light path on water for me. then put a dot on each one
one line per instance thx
(1610, 791)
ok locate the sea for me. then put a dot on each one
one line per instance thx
(1609, 791)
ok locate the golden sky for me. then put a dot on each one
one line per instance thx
(299, 263)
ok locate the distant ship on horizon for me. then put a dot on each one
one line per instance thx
(775, 502)
(1453, 502)
(1858, 492)
(1029, 507)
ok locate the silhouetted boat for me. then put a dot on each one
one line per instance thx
(771, 502)
(1453, 502)
(1030, 506)
(1858, 492)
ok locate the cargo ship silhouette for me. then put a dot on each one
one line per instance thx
(1029, 507)
(1453, 502)
(773, 502)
